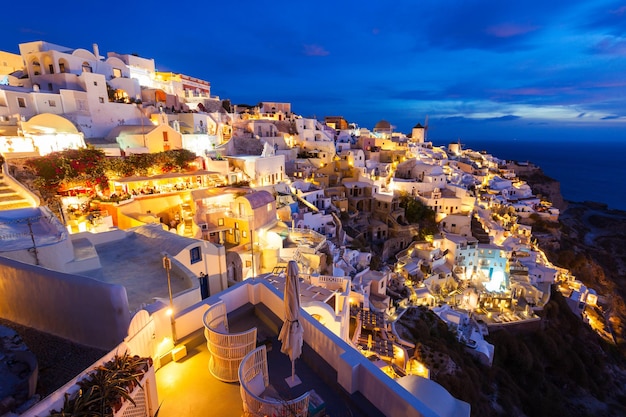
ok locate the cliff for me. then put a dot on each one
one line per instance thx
(590, 241)
(542, 185)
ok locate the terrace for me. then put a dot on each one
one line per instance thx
(345, 381)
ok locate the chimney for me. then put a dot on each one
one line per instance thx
(96, 51)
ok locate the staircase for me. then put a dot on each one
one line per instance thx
(10, 199)
(216, 179)
(188, 232)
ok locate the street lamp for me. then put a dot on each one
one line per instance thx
(251, 228)
(167, 264)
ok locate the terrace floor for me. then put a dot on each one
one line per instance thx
(187, 388)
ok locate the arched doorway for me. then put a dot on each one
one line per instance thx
(233, 268)
(36, 66)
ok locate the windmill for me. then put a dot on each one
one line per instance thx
(418, 135)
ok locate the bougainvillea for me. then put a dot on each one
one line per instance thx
(70, 168)
(90, 168)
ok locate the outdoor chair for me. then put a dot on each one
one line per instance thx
(259, 397)
(226, 349)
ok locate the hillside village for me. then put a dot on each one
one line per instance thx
(379, 223)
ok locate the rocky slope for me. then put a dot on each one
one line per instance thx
(564, 368)
(590, 241)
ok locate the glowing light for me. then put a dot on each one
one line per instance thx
(496, 283)
(169, 312)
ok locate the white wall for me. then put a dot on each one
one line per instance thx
(77, 308)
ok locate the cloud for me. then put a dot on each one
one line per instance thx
(612, 117)
(610, 46)
(474, 120)
(31, 30)
(315, 50)
(416, 95)
(507, 30)
(506, 118)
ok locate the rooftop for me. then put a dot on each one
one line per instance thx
(136, 263)
(187, 388)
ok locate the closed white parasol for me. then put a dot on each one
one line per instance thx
(291, 334)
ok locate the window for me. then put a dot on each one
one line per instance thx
(52, 103)
(195, 255)
(61, 66)
(244, 233)
(50, 86)
(236, 225)
(101, 99)
(21, 102)
(164, 136)
(220, 222)
(117, 73)
(248, 264)
(95, 83)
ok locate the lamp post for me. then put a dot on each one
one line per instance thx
(167, 264)
(251, 228)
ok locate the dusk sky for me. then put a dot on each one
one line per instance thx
(478, 69)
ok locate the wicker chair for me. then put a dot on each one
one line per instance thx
(258, 397)
(226, 349)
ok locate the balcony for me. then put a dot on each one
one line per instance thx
(345, 380)
(187, 388)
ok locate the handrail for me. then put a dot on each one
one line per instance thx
(254, 366)
(227, 349)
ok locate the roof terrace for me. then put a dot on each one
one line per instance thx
(346, 381)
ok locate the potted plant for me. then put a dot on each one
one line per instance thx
(105, 389)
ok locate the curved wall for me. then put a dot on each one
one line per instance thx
(73, 307)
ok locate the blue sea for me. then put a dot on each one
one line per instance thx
(587, 170)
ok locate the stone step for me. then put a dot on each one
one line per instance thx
(7, 191)
(12, 205)
(11, 197)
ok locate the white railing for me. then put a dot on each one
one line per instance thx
(226, 349)
(254, 380)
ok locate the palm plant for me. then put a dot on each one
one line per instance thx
(103, 391)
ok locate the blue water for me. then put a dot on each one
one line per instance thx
(593, 171)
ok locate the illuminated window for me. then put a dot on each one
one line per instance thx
(117, 73)
(248, 264)
(195, 255)
(220, 222)
(318, 318)
(236, 225)
(245, 233)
